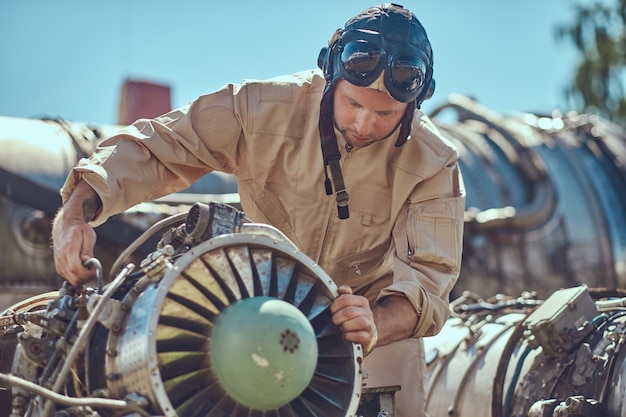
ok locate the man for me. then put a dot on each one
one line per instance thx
(382, 214)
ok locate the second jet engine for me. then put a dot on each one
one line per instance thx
(521, 356)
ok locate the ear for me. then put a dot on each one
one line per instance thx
(323, 58)
(431, 89)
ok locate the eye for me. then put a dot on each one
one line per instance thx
(353, 103)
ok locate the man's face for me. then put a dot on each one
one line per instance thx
(365, 115)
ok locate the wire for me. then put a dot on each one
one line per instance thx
(508, 402)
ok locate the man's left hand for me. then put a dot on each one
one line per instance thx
(353, 315)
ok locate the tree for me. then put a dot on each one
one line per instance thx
(599, 33)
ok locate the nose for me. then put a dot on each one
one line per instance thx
(363, 122)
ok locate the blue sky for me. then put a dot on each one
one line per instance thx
(69, 58)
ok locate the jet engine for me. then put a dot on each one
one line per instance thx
(521, 356)
(546, 199)
(224, 318)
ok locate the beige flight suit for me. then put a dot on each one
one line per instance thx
(404, 233)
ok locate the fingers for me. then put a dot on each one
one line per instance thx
(72, 269)
(352, 313)
(72, 247)
(344, 289)
(347, 305)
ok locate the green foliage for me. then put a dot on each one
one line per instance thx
(599, 33)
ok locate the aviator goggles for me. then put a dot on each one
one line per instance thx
(364, 54)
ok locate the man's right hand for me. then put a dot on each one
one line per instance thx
(73, 239)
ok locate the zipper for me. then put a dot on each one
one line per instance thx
(330, 210)
(409, 250)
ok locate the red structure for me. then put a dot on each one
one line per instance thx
(141, 99)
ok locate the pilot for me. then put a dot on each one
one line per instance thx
(341, 159)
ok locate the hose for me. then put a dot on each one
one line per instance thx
(73, 402)
(168, 221)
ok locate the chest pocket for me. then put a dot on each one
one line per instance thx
(361, 268)
(371, 209)
(369, 234)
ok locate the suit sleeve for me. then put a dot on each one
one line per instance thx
(428, 237)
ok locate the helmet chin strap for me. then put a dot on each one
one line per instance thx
(330, 152)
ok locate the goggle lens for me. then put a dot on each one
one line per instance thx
(362, 63)
(407, 73)
(360, 59)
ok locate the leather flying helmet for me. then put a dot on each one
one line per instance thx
(385, 42)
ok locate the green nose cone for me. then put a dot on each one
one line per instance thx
(263, 352)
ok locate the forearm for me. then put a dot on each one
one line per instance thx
(395, 319)
(83, 203)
